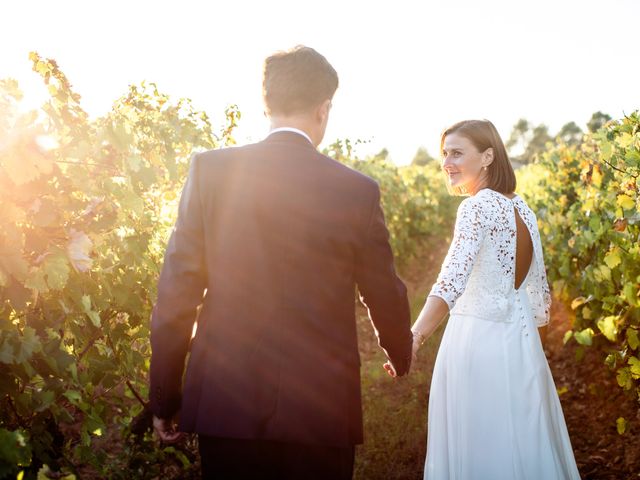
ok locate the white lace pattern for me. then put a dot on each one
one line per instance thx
(478, 274)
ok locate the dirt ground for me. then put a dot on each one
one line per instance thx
(592, 401)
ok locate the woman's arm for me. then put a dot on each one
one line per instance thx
(433, 313)
(469, 232)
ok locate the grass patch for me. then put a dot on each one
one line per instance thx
(395, 410)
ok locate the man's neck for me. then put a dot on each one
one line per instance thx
(297, 124)
(292, 129)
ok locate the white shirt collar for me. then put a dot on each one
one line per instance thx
(291, 129)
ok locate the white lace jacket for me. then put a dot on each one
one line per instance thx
(478, 274)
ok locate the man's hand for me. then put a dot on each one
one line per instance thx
(391, 370)
(418, 340)
(166, 429)
(417, 343)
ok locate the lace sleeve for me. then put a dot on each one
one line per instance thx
(538, 290)
(543, 318)
(467, 238)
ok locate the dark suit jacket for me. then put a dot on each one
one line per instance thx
(278, 235)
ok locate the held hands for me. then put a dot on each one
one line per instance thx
(432, 314)
(166, 430)
(418, 340)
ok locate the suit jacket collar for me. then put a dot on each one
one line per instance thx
(291, 129)
(289, 137)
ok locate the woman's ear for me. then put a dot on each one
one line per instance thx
(487, 157)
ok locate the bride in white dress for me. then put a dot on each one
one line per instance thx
(494, 412)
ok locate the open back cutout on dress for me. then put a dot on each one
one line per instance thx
(524, 250)
(495, 253)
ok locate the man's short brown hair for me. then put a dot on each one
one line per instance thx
(297, 80)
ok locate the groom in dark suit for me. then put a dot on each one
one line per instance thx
(270, 242)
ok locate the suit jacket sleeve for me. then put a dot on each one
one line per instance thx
(180, 292)
(382, 292)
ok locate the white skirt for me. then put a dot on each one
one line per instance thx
(494, 412)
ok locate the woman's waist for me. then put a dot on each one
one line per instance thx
(505, 307)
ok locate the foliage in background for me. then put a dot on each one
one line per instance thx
(423, 157)
(588, 204)
(415, 199)
(87, 206)
(528, 141)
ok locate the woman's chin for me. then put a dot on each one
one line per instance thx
(460, 186)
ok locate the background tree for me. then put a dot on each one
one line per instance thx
(527, 141)
(518, 139)
(537, 144)
(570, 134)
(422, 157)
(598, 119)
(381, 156)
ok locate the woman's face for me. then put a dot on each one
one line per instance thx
(462, 162)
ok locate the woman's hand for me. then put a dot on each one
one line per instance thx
(390, 370)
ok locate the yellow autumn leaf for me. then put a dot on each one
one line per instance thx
(602, 273)
(625, 140)
(612, 259)
(587, 205)
(579, 301)
(625, 201)
(584, 337)
(9, 86)
(42, 67)
(609, 327)
(634, 363)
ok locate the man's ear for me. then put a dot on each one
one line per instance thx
(323, 110)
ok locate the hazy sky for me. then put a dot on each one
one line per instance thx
(407, 68)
